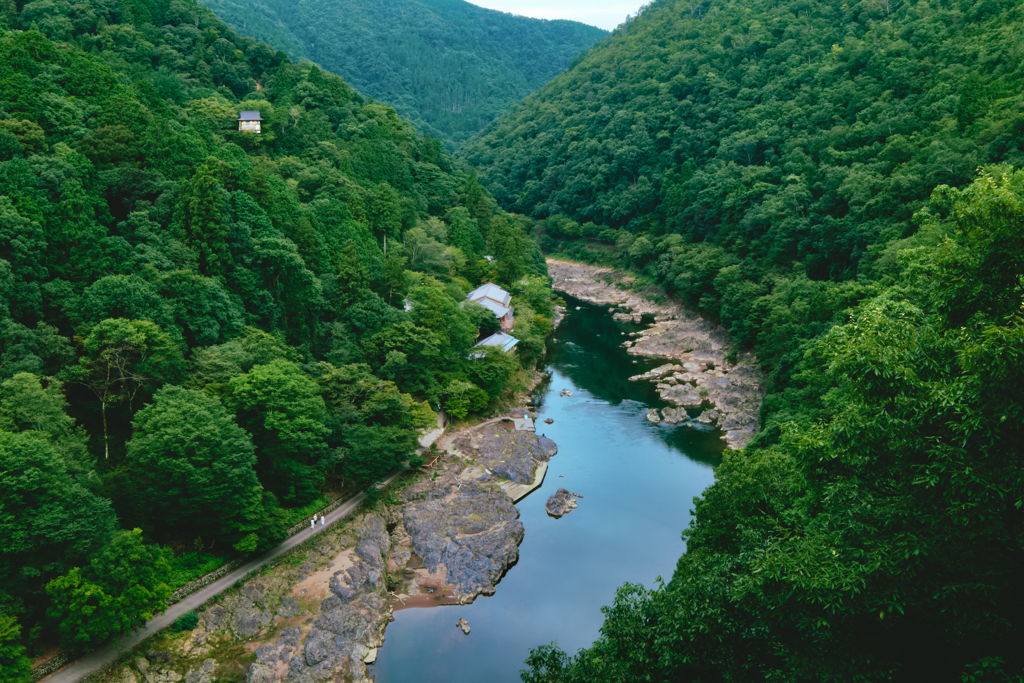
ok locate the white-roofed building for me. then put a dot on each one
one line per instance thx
(497, 300)
(503, 341)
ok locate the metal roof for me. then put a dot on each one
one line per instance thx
(505, 342)
(496, 308)
(250, 116)
(490, 291)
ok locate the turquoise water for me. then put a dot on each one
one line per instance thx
(638, 482)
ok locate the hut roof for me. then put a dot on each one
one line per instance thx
(496, 308)
(490, 291)
(501, 340)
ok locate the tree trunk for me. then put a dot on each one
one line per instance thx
(106, 438)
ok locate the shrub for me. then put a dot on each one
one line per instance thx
(186, 622)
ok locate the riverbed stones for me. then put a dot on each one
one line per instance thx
(652, 416)
(558, 317)
(463, 626)
(243, 614)
(709, 417)
(683, 396)
(672, 416)
(657, 372)
(156, 672)
(204, 673)
(696, 346)
(560, 503)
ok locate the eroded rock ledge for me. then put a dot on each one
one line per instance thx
(730, 394)
(446, 538)
(459, 529)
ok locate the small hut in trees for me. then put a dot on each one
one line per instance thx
(503, 341)
(497, 300)
(249, 120)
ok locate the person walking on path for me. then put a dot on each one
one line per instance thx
(321, 520)
(312, 523)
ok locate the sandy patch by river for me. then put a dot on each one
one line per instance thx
(317, 585)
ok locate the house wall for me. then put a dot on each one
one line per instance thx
(249, 125)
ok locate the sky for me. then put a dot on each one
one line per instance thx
(606, 14)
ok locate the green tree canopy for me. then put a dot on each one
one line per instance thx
(282, 408)
(48, 521)
(123, 358)
(193, 468)
(119, 589)
(15, 666)
(878, 542)
(450, 68)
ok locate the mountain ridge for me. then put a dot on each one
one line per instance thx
(447, 66)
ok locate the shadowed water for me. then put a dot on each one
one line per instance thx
(637, 480)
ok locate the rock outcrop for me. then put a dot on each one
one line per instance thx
(560, 503)
(458, 532)
(506, 453)
(701, 379)
(349, 624)
(466, 538)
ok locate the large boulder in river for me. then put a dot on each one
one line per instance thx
(560, 503)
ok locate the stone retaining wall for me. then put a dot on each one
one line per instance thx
(205, 580)
(51, 665)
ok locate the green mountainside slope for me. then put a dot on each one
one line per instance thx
(203, 331)
(835, 183)
(448, 67)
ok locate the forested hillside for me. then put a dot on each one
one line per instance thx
(802, 172)
(448, 67)
(765, 161)
(203, 331)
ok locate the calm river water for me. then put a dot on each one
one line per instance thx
(638, 482)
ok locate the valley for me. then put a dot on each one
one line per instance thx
(752, 271)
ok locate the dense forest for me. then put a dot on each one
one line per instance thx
(203, 331)
(448, 67)
(834, 182)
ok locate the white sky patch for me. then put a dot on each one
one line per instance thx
(600, 13)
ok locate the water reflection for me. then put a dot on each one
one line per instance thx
(637, 480)
(587, 347)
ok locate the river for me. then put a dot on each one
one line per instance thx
(637, 480)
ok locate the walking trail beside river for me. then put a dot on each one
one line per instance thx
(728, 395)
(443, 537)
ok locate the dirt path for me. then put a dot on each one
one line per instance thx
(103, 656)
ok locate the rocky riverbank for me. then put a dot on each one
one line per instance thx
(728, 395)
(446, 536)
